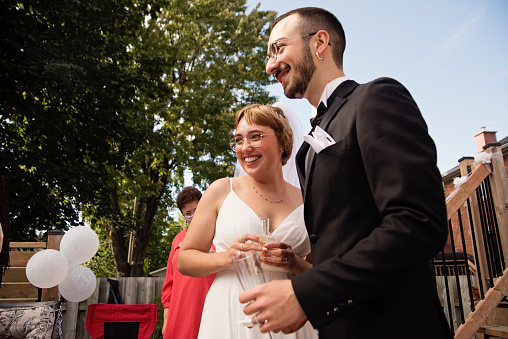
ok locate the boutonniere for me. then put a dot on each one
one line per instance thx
(319, 139)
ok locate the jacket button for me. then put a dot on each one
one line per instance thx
(313, 238)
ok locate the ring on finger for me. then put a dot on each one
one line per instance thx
(241, 246)
(255, 320)
(239, 252)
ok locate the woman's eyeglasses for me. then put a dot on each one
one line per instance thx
(254, 141)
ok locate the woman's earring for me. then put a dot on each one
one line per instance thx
(320, 57)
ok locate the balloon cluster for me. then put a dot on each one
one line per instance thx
(48, 268)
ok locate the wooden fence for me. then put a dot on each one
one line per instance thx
(15, 286)
(132, 290)
(459, 306)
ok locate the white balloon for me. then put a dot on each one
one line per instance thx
(46, 268)
(79, 284)
(79, 244)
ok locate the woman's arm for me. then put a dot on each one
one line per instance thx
(195, 259)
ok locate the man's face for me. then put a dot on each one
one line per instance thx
(188, 210)
(294, 66)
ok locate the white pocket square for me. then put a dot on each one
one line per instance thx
(319, 139)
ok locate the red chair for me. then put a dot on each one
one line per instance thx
(118, 321)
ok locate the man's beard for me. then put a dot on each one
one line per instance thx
(302, 73)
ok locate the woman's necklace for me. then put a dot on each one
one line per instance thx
(271, 201)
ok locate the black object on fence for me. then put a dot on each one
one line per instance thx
(114, 296)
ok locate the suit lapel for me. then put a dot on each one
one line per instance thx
(309, 159)
(300, 163)
(335, 102)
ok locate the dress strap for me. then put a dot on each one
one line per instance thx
(231, 182)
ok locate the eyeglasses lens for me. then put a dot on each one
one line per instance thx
(272, 52)
(188, 218)
(236, 143)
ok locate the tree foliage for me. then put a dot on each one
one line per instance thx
(160, 246)
(105, 104)
(67, 88)
(211, 58)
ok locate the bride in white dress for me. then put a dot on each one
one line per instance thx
(263, 144)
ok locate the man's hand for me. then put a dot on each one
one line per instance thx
(275, 307)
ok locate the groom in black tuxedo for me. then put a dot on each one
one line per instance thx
(373, 198)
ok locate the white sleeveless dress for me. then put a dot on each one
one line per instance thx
(222, 310)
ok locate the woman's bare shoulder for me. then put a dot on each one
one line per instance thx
(221, 183)
(218, 188)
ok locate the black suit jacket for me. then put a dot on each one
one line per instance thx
(375, 212)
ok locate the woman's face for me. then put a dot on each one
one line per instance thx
(260, 160)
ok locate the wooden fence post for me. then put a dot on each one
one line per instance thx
(54, 238)
(53, 243)
(499, 186)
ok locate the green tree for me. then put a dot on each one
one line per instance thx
(103, 265)
(67, 87)
(104, 105)
(211, 54)
(160, 246)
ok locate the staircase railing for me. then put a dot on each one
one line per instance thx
(472, 282)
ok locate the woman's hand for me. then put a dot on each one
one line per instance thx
(242, 244)
(280, 254)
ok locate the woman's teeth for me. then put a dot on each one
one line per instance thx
(251, 159)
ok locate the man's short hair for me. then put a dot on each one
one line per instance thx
(187, 195)
(313, 19)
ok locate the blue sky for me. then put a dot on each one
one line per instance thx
(452, 55)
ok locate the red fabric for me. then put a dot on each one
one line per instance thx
(98, 314)
(185, 297)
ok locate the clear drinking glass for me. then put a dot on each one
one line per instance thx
(248, 269)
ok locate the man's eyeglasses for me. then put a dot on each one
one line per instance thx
(254, 141)
(274, 48)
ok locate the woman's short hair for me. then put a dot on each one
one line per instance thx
(273, 117)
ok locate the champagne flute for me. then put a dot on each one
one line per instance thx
(260, 226)
(248, 269)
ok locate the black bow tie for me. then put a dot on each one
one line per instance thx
(317, 119)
